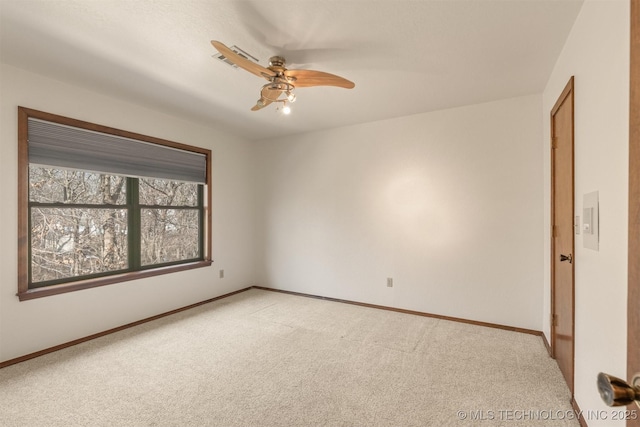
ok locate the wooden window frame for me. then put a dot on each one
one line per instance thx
(26, 293)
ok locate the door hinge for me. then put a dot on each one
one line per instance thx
(554, 231)
(554, 320)
(554, 142)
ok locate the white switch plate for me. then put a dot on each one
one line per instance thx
(590, 221)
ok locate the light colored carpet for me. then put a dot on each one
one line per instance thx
(262, 358)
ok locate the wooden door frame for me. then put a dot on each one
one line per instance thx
(569, 89)
(633, 296)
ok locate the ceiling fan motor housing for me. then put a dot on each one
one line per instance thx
(277, 62)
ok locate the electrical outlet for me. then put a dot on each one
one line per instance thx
(389, 282)
(222, 274)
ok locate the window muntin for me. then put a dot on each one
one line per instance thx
(80, 229)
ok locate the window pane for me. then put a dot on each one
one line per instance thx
(50, 185)
(71, 242)
(162, 192)
(169, 235)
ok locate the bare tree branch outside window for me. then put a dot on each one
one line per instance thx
(80, 222)
(99, 205)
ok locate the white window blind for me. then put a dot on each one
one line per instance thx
(53, 144)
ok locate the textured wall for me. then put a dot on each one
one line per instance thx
(28, 326)
(448, 204)
(597, 54)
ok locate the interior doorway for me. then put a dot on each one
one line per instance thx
(562, 233)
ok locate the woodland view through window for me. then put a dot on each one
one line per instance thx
(104, 206)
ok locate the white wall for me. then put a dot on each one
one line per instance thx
(454, 205)
(597, 54)
(28, 326)
(447, 203)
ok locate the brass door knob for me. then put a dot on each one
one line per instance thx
(617, 392)
(566, 258)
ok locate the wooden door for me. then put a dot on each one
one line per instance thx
(562, 237)
(633, 304)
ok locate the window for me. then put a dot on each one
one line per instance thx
(99, 205)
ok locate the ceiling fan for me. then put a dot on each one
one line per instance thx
(282, 82)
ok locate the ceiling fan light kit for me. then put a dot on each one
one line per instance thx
(282, 82)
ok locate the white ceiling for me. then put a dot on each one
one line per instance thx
(405, 56)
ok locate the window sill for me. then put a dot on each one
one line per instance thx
(107, 280)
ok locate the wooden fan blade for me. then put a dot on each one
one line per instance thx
(260, 104)
(308, 78)
(241, 62)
